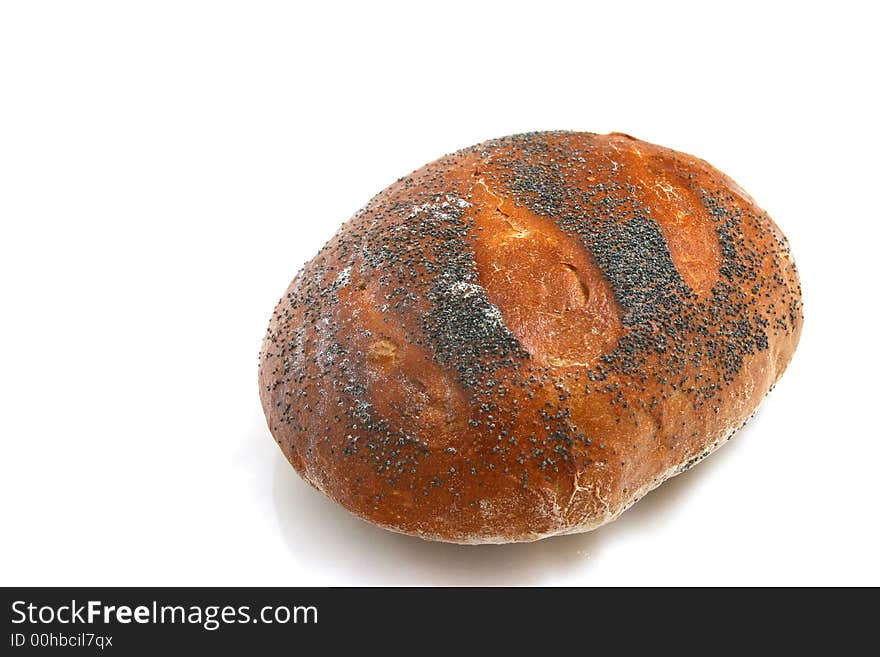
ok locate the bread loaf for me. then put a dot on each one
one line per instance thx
(523, 338)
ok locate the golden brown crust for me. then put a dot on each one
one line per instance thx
(523, 338)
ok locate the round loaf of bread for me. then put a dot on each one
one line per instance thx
(523, 338)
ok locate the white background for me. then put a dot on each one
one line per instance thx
(167, 167)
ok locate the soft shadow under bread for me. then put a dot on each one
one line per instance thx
(320, 533)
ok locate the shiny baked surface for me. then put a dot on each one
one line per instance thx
(523, 338)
